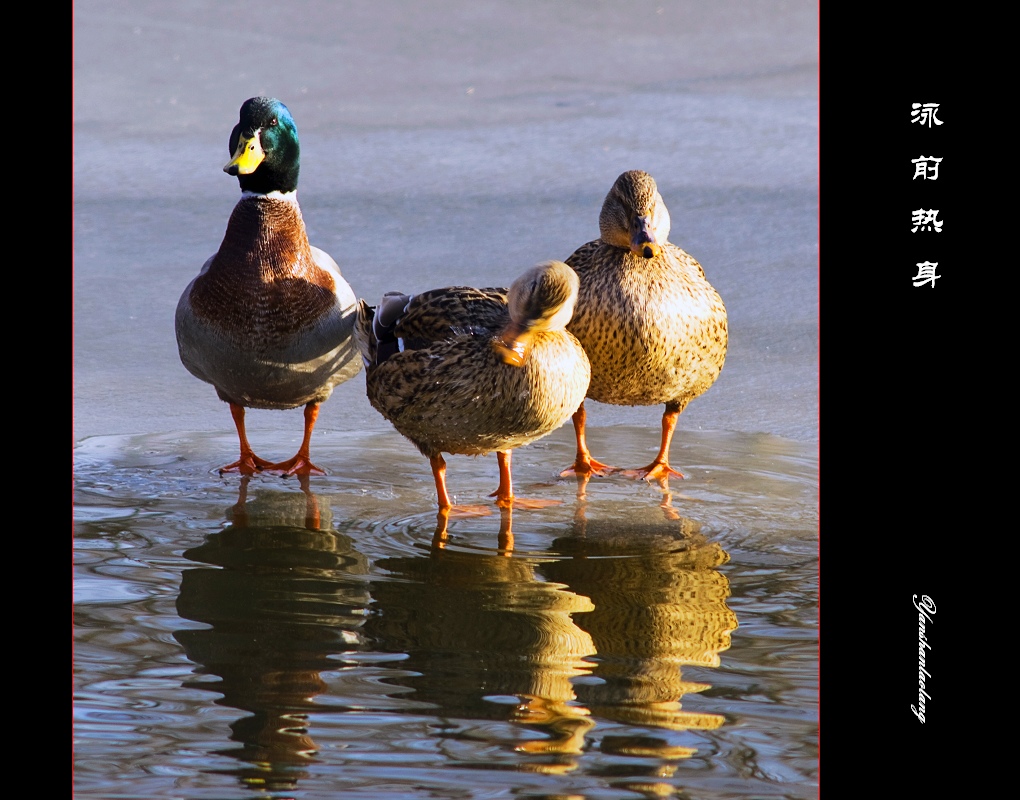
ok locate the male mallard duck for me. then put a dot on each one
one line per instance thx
(471, 371)
(269, 319)
(652, 325)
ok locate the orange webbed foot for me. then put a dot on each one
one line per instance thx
(298, 465)
(588, 467)
(656, 471)
(248, 464)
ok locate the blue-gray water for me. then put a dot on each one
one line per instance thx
(321, 644)
(264, 641)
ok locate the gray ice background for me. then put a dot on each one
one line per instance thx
(445, 142)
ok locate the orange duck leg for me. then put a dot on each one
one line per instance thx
(301, 462)
(584, 464)
(248, 463)
(660, 468)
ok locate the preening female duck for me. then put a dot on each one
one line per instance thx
(472, 371)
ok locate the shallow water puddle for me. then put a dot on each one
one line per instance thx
(263, 637)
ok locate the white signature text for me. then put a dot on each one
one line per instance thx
(925, 610)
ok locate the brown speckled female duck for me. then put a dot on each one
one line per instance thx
(471, 371)
(652, 325)
(269, 319)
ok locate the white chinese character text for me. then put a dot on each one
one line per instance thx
(930, 172)
(925, 220)
(925, 113)
(926, 273)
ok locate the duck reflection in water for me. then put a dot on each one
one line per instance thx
(505, 538)
(485, 639)
(669, 511)
(598, 631)
(658, 603)
(280, 595)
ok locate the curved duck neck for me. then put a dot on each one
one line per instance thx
(266, 234)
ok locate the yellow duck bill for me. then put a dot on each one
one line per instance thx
(247, 157)
(513, 344)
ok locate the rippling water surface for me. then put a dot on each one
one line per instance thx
(264, 638)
